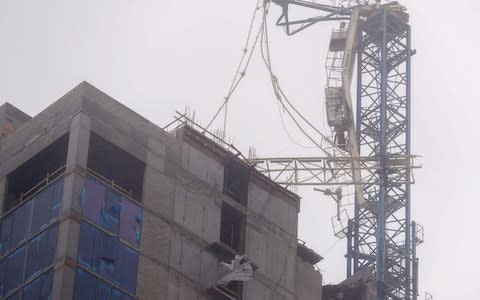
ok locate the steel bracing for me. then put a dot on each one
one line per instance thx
(371, 151)
(329, 171)
(381, 234)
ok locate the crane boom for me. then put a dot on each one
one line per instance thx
(330, 171)
(338, 96)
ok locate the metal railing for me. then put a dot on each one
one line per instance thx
(60, 172)
(49, 178)
(111, 183)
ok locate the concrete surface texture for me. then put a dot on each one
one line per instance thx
(10, 119)
(183, 201)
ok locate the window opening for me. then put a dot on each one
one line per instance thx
(116, 165)
(232, 291)
(236, 287)
(235, 183)
(36, 172)
(232, 235)
(232, 228)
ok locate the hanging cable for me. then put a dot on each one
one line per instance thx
(241, 68)
(288, 133)
(324, 253)
(295, 115)
(280, 95)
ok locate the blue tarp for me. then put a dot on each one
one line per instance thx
(88, 287)
(11, 272)
(127, 268)
(85, 286)
(41, 252)
(89, 247)
(40, 288)
(15, 296)
(112, 211)
(15, 228)
(44, 208)
(106, 251)
(107, 256)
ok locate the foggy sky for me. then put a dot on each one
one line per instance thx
(159, 56)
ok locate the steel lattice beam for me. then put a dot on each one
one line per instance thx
(381, 234)
(330, 171)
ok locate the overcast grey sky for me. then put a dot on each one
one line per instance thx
(157, 56)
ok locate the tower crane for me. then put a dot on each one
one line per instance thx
(371, 145)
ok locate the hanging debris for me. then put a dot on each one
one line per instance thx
(240, 269)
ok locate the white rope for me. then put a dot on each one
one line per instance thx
(241, 68)
(287, 105)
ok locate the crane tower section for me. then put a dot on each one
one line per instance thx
(381, 236)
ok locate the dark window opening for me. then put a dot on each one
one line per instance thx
(27, 178)
(114, 164)
(235, 182)
(232, 291)
(232, 228)
(237, 288)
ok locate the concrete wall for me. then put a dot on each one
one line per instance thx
(11, 118)
(182, 200)
(40, 131)
(308, 281)
(3, 190)
(267, 205)
(272, 241)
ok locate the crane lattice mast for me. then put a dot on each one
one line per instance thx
(378, 163)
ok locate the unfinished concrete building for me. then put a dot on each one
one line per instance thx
(99, 203)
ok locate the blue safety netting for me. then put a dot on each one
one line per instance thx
(31, 217)
(40, 288)
(89, 287)
(46, 206)
(107, 256)
(15, 296)
(41, 252)
(15, 228)
(85, 285)
(112, 211)
(11, 272)
(28, 262)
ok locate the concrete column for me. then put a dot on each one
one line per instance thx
(3, 192)
(76, 161)
(70, 216)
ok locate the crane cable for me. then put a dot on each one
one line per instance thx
(284, 101)
(279, 94)
(286, 104)
(240, 72)
(288, 133)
